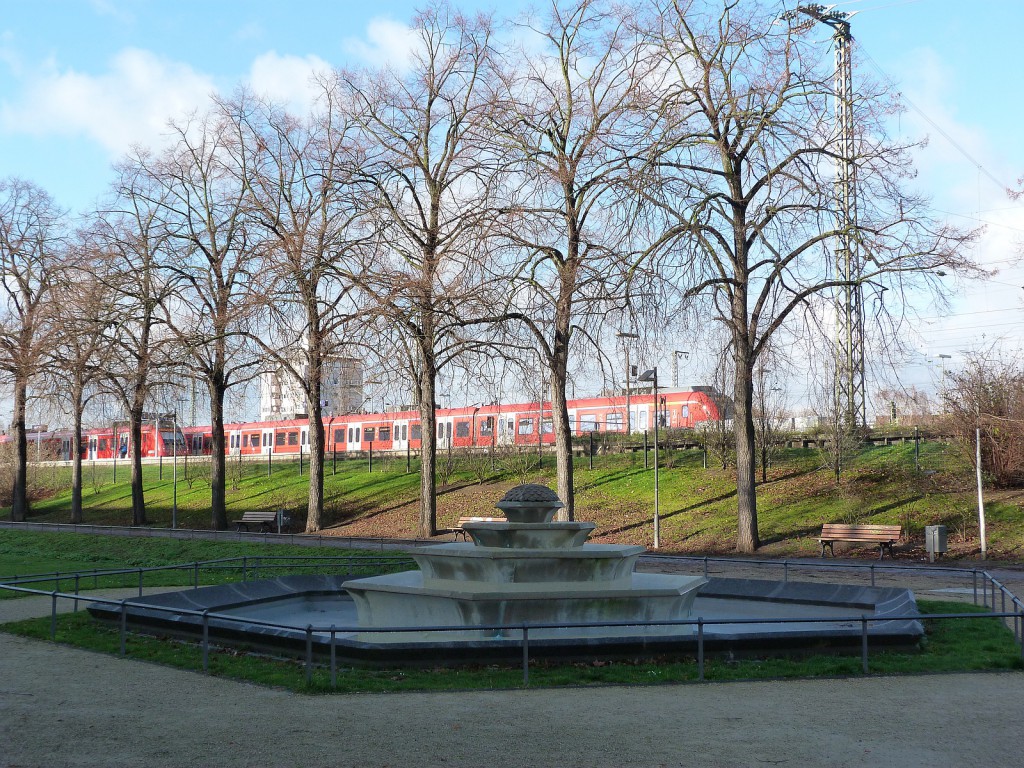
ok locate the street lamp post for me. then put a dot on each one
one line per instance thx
(652, 376)
(625, 343)
(174, 472)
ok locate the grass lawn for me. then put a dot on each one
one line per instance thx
(697, 504)
(950, 645)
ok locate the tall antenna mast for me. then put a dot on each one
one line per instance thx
(850, 388)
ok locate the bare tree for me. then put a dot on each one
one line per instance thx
(76, 365)
(746, 154)
(567, 127)
(132, 242)
(32, 253)
(211, 261)
(428, 179)
(986, 397)
(302, 193)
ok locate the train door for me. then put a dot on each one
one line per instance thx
(93, 450)
(234, 442)
(355, 436)
(268, 441)
(400, 435)
(304, 440)
(444, 432)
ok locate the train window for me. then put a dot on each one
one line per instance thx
(384, 434)
(526, 426)
(588, 423)
(417, 432)
(405, 432)
(368, 433)
(440, 430)
(501, 426)
(339, 435)
(293, 438)
(280, 438)
(266, 438)
(351, 438)
(305, 437)
(685, 411)
(614, 420)
(487, 426)
(102, 445)
(462, 429)
(548, 426)
(254, 440)
(448, 429)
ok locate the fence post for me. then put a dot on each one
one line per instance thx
(76, 592)
(785, 571)
(245, 568)
(645, 439)
(270, 460)
(864, 643)
(974, 574)
(53, 615)
(526, 655)
(195, 575)
(705, 566)
(309, 654)
(700, 648)
(140, 582)
(591, 451)
(872, 574)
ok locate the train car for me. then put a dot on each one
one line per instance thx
(477, 426)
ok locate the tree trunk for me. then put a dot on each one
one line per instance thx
(563, 443)
(138, 493)
(19, 494)
(315, 505)
(218, 458)
(76, 460)
(746, 497)
(428, 450)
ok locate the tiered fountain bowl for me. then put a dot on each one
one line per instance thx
(529, 570)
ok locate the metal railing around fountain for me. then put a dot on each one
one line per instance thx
(987, 591)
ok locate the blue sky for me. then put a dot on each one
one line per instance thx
(81, 80)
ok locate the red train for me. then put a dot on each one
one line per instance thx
(481, 426)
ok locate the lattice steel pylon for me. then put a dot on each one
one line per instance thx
(850, 388)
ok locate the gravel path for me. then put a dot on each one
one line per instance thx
(61, 706)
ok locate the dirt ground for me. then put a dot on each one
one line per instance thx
(61, 706)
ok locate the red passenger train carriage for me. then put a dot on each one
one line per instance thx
(476, 426)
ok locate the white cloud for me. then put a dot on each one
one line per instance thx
(387, 44)
(290, 80)
(128, 104)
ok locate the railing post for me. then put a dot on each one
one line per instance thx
(864, 643)
(526, 655)
(245, 568)
(140, 582)
(974, 575)
(76, 592)
(700, 648)
(309, 654)
(785, 571)
(872, 574)
(124, 627)
(334, 661)
(195, 575)
(705, 566)
(53, 615)
(206, 641)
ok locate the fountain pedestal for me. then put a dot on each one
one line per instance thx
(528, 570)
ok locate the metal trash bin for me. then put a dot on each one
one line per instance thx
(935, 540)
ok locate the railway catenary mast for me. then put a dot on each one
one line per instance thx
(850, 388)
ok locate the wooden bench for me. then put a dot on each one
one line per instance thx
(458, 529)
(267, 521)
(882, 535)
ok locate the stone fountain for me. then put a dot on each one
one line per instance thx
(530, 570)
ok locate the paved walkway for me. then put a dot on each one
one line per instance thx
(62, 706)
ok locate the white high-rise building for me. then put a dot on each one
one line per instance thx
(281, 395)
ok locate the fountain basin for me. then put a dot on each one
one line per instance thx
(529, 535)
